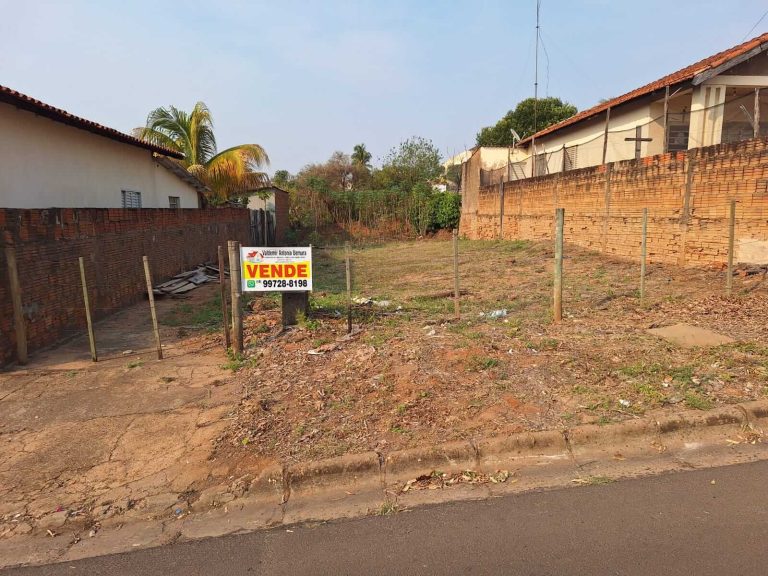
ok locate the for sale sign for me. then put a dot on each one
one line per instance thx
(276, 269)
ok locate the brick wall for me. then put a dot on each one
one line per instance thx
(687, 195)
(112, 242)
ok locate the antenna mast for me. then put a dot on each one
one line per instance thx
(536, 72)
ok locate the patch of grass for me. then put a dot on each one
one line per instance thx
(399, 430)
(649, 392)
(696, 401)
(481, 363)
(541, 344)
(135, 364)
(751, 348)
(328, 301)
(683, 374)
(235, 361)
(378, 338)
(431, 304)
(262, 328)
(387, 507)
(640, 369)
(306, 322)
(594, 481)
(206, 315)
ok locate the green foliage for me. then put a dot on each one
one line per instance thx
(361, 156)
(548, 111)
(228, 173)
(283, 179)
(206, 315)
(398, 196)
(236, 362)
(415, 161)
(445, 210)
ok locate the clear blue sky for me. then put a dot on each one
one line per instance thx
(306, 78)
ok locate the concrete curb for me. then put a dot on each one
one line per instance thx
(373, 468)
(358, 484)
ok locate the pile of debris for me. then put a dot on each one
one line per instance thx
(186, 281)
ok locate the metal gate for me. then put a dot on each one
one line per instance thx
(262, 227)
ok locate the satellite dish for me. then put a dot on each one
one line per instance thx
(515, 135)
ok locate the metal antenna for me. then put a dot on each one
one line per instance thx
(536, 72)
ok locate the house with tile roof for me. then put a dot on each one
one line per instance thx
(50, 158)
(720, 99)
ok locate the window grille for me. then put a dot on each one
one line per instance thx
(131, 199)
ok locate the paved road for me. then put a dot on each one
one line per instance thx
(674, 524)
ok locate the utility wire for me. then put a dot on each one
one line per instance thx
(755, 26)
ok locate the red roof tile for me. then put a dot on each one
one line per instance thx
(42, 109)
(683, 75)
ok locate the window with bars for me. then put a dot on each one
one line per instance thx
(541, 166)
(174, 202)
(131, 199)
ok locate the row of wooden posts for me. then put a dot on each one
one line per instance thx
(233, 331)
(557, 298)
(236, 329)
(558, 275)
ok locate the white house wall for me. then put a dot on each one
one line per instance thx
(47, 164)
(588, 136)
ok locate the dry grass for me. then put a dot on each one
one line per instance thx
(414, 375)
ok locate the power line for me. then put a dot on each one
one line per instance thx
(755, 26)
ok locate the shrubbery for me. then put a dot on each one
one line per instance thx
(445, 210)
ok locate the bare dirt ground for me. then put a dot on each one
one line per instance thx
(413, 375)
(84, 446)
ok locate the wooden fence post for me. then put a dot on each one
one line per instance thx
(349, 287)
(558, 295)
(456, 293)
(223, 295)
(237, 289)
(87, 303)
(731, 237)
(151, 295)
(643, 253)
(19, 324)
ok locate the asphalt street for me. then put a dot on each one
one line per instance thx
(701, 522)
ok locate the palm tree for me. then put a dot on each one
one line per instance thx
(361, 156)
(227, 173)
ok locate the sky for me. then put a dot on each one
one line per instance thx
(305, 79)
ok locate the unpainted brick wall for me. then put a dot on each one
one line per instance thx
(112, 242)
(687, 194)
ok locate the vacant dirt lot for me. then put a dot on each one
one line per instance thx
(86, 445)
(414, 375)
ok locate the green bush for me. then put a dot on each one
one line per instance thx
(445, 210)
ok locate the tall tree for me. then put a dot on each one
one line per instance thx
(228, 173)
(361, 156)
(415, 161)
(548, 111)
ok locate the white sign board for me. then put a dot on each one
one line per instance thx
(276, 269)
